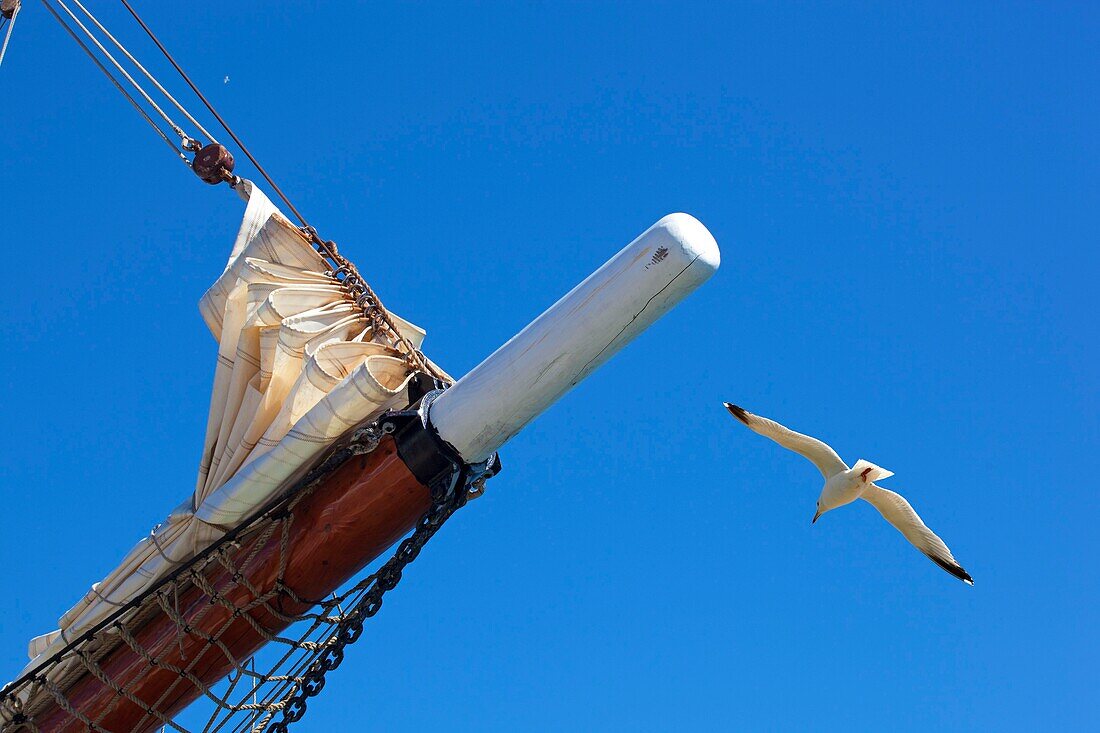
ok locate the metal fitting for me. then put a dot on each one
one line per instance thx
(213, 164)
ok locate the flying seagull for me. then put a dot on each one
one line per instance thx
(844, 485)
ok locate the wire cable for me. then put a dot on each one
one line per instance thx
(164, 115)
(214, 112)
(7, 37)
(107, 73)
(145, 71)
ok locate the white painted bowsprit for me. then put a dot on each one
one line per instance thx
(522, 378)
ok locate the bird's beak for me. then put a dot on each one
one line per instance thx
(816, 515)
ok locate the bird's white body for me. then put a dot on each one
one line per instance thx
(843, 485)
(840, 489)
(849, 484)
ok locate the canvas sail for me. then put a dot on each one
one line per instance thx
(298, 365)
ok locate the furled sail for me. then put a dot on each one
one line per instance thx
(298, 365)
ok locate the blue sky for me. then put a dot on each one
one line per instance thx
(906, 202)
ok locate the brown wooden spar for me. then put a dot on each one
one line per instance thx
(350, 518)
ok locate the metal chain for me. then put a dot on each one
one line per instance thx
(347, 274)
(448, 496)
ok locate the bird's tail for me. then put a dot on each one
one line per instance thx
(869, 472)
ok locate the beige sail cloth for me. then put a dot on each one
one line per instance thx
(298, 366)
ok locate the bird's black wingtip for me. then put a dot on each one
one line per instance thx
(953, 568)
(737, 412)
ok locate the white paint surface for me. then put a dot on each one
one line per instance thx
(522, 378)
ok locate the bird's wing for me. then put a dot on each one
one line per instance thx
(822, 456)
(901, 514)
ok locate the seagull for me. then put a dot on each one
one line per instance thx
(844, 485)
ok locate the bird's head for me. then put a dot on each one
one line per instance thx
(825, 503)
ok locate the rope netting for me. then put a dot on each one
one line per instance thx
(208, 603)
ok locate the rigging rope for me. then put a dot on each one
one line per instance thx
(118, 85)
(214, 112)
(188, 142)
(10, 22)
(149, 76)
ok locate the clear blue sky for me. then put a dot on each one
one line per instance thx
(906, 201)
